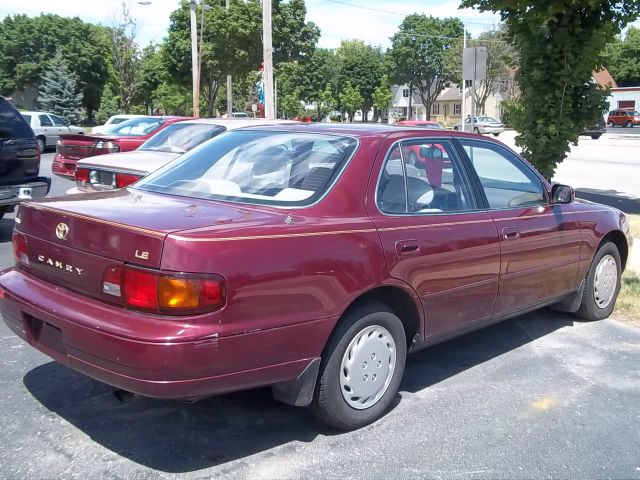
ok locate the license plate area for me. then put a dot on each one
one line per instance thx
(45, 334)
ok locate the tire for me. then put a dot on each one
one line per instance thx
(496, 134)
(592, 306)
(629, 124)
(41, 144)
(610, 124)
(330, 404)
(595, 137)
(455, 128)
(476, 130)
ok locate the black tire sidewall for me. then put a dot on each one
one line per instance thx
(328, 404)
(588, 309)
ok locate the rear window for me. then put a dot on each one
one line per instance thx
(181, 137)
(137, 127)
(256, 166)
(12, 125)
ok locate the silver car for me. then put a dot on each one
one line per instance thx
(48, 127)
(482, 124)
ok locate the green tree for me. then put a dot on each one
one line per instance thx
(622, 58)
(382, 97)
(173, 99)
(28, 45)
(108, 105)
(425, 54)
(351, 99)
(148, 76)
(290, 104)
(361, 65)
(293, 38)
(125, 58)
(326, 102)
(59, 91)
(560, 44)
(313, 74)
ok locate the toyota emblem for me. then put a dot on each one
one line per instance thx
(62, 230)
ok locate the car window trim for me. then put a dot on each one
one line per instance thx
(479, 207)
(476, 178)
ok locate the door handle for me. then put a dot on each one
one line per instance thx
(407, 247)
(510, 233)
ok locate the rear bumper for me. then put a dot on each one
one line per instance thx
(151, 358)
(14, 194)
(491, 129)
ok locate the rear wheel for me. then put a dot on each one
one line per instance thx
(361, 369)
(595, 137)
(602, 284)
(629, 124)
(610, 124)
(476, 130)
(496, 134)
(41, 144)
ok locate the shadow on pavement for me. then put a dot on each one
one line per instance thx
(175, 437)
(6, 229)
(612, 198)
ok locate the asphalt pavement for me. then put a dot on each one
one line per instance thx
(542, 395)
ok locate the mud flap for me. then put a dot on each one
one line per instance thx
(298, 392)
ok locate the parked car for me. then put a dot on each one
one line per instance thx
(113, 121)
(124, 137)
(623, 118)
(596, 131)
(482, 124)
(118, 170)
(419, 123)
(48, 127)
(19, 161)
(305, 257)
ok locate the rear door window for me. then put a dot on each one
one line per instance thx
(12, 125)
(57, 121)
(45, 121)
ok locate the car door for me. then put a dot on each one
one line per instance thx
(539, 241)
(47, 129)
(59, 127)
(434, 234)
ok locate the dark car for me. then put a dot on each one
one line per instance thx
(310, 258)
(124, 137)
(596, 131)
(19, 161)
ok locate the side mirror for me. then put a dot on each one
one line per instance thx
(562, 194)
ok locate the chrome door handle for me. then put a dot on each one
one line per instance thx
(510, 233)
(407, 247)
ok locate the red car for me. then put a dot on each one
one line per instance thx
(125, 137)
(307, 257)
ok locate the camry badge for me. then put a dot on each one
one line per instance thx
(62, 230)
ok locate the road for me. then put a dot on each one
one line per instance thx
(542, 395)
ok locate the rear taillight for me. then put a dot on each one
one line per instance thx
(20, 249)
(102, 147)
(163, 292)
(82, 175)
(125, 179)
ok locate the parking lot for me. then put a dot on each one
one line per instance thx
(542, 395)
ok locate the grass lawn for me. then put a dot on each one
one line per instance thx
(628, 304)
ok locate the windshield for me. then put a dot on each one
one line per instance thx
(256, 166)
(137, 126)
(181, 137)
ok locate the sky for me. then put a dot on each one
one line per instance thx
(373, 21)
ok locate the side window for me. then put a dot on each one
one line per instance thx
(506, 180)
(421, 177)
(44, 121)
(57, 121)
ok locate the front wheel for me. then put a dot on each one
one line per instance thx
(361, 369)
(629, 124)
(496, 134)
(595, 137)
(610, 124)
(456, 128)
(476, 130)
(602, 284)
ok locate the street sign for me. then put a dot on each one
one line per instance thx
(474, 63)
(254, 107)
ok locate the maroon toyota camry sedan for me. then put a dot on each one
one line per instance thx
(311, 258)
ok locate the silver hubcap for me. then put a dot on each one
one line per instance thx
(367, 367)
(605, 281)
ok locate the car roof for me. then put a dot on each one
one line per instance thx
(32, 112)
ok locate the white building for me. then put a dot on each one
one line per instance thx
(624, 97)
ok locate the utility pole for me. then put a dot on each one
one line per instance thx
(195, 78)
(268, 60)
(464, 82)
(229, 85)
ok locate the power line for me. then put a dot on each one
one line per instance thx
(391, 12)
